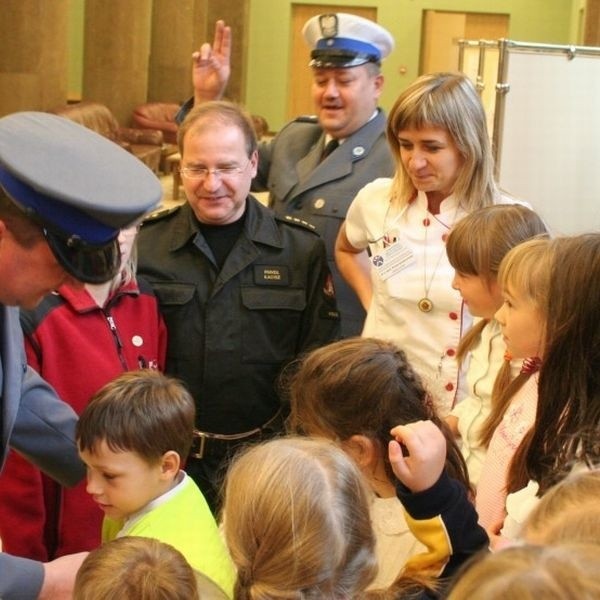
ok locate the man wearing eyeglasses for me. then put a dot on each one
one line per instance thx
(243, 292)
(314, 167)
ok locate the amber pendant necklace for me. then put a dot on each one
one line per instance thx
(425, 304)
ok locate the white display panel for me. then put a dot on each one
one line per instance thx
(549, 153)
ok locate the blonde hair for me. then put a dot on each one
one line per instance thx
(562, 572)
(451, 102)
(297, 522)
(525, 270)
(477, 244)
(567, 512)
(135, 568)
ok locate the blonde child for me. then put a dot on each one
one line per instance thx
(567, 423)
(476, 245)
(524, 278)
(131, 437)
(563, 572)
(297, 523)
(568, 512)
(135, 568)
(354, 392)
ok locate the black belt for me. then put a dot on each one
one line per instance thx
(203, 440)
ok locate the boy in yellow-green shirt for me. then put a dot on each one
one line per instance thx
(132, 437)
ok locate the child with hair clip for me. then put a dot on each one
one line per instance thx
(524, 278)
(476, 245)
(132, 437)
(566, 430)
(354, 392)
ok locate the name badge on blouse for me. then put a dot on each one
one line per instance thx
(391, 260)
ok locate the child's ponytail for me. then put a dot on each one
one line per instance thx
(470, 340)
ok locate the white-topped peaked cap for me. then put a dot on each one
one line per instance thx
(341, 40)
(80, 187)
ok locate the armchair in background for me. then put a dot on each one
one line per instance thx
(145, 144)
(157, 115)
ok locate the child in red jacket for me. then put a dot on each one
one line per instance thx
(78, 339)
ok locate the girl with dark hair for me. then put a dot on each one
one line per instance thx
(355, 392)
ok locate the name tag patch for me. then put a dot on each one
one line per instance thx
(271, 275)
(392, 260)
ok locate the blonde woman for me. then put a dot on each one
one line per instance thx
(438, 135)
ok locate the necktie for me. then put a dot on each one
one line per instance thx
(330, 146)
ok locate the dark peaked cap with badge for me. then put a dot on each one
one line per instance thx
(80, 187)
(341, 40)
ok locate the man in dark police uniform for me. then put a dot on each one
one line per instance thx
(65, 192)
(305, 175)
(242, 291)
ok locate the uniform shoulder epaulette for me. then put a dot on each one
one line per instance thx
(159, 214)
(296, 221)
(306, 119)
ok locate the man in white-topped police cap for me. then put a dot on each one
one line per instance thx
(343, 40)
(65, 192)
(316, 164)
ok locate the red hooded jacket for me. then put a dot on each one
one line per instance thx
(77, 347)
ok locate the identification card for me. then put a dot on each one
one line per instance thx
(392, 260)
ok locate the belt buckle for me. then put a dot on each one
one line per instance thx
(198, 435)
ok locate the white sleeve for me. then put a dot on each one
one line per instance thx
(366, 215)
(518, 506)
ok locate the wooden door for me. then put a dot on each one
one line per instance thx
(439, 49)
(441, 31)
(299, 98)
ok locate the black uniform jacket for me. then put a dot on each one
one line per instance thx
(231, 331)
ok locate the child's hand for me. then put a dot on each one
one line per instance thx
(497, 540)
(452, 422)
(426, 458)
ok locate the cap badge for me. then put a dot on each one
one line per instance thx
(319, 203)
(329, 25)
(358, 151)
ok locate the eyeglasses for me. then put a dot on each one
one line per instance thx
(204, 172)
